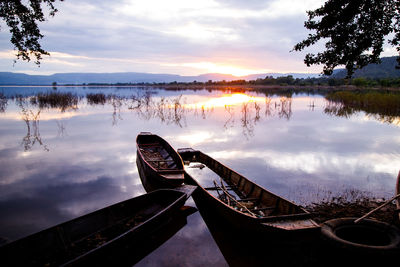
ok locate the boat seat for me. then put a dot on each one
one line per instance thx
(248, 199)
(228, 187)
(150, 149)
(160, 160)
(297, 216)
(164, 153)
(150, 144)
(264, 208)
(172, 165)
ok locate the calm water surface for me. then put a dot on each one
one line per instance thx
(61, 162)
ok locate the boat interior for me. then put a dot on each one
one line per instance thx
(241, 194)
(157, 156)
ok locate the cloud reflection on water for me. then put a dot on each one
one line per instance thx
(286, 143)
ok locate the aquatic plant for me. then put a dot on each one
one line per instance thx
(342, 207)
(63, 101)
(96, 99)
(167, 110)
(383, 106)
(116, 102)
(3, 102)
(346, 202)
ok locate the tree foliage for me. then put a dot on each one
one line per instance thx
(354, 31)
(22, 19)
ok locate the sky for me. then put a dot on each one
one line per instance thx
(185, 37)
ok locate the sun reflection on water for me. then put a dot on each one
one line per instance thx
(226, 100)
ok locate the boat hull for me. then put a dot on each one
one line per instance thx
(152, 180)
(398, 192)
(284, 240)
(79, 242)
(288, 228)
(243, 246)
(246, 224)
(165, 177)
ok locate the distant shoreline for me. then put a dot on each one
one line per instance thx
(222, 87)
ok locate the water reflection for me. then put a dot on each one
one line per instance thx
(31, 119)
(278, 141)
(175, 110)
(61, 101)
(31, 108)
(285, 110)
(130, 255)
(248, 122)
(384, 107)
(241, 108)
(116, 102)
(167, 110)
(195, 234)
(62, 129)
(193, 245)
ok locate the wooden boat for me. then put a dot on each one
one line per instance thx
(253, 215)
(240, 248)
(256, 210)
(159, 161)
(398, 192)
(96, 237)
(151, 185)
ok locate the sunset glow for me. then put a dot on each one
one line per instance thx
(210, 67)
(226, 100)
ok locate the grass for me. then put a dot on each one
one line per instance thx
(3, 102)
(96, 99)
(63, 101)
(386, 106)
(343, 207)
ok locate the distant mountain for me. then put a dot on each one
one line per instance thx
(11, 78)
(386, 69)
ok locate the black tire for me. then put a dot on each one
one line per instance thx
(366, 235)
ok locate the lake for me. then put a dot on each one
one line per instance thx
(62, 158)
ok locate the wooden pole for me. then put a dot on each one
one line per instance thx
(378, 208)
(237, 202)
(223, 186)
(216, 188)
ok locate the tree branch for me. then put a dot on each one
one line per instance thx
(22, 20)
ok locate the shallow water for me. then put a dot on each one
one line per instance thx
(61, 162)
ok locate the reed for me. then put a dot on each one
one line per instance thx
(63, 101)
(96, 99)
(345, 208)
(384, 105)
(3, 103)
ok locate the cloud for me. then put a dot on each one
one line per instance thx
(247, 5)
(32, 212)
(217, 68)
(161, 36)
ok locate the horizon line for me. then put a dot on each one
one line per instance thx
(152, 73)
